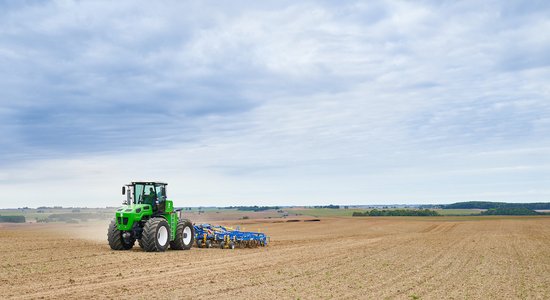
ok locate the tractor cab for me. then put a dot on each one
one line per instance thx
(152, 193)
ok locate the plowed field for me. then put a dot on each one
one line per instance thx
(367, 258)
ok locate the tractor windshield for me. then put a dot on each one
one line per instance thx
(149, 193)
(145, 194)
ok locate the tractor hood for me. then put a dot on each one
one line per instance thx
(133, 208)
(127, 215)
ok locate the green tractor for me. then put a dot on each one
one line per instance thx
(150, 218)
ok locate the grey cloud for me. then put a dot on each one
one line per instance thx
(357, 97)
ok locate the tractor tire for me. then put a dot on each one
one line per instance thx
(185, 236)
(208, 244)
(199, 243)
(141, 244)
(116, 241)
(155, 236)
(222, 245)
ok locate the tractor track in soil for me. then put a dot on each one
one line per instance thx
(342, 258)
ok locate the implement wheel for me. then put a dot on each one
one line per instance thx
(116, 240)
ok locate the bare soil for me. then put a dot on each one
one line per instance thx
(343, 258)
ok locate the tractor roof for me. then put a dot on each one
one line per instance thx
(147, 182)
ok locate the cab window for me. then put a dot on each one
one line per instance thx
(161, 192)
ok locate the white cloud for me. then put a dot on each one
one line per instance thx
(384, 102)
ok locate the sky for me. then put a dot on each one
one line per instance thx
(275, 102)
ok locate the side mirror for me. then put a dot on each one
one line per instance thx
(123, 190)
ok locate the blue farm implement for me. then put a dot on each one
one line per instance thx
(208, 236)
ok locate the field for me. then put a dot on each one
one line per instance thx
(78, 215)
(458, 212)
(456, 257)
(323, 212)
(327, 212)
(209, 213)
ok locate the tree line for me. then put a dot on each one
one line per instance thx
(328, 206)
(253, 208)
(494, 205)
(12, 219)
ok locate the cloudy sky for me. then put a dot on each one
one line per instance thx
(275, 103)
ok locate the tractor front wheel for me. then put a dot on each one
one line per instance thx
(185, 236)
(156, 235)
(116, 240)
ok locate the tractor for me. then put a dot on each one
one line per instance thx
(149, 217)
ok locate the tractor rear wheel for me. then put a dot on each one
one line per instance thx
(156, 235)
(116, 241)
(185, 236)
